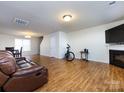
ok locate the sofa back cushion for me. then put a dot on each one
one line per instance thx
(7, 63)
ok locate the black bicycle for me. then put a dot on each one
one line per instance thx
(69, 56)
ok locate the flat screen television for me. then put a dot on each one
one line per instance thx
(115, 35)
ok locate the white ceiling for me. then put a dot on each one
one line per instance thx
(46, 17)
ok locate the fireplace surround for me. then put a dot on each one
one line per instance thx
(117, 57)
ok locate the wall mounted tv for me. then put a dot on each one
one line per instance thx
(115, 35)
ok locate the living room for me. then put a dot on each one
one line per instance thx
(62, 46)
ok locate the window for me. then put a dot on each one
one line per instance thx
(25, 43)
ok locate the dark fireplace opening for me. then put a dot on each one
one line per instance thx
(117, 57)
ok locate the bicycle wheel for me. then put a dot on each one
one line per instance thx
(70, 56)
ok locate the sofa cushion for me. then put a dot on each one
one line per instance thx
(7, 63)
(28, 71)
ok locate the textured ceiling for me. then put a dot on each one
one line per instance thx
(46, 17)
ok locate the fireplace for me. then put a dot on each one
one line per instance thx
(117, 57)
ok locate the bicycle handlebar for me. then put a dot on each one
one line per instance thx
(68, 45)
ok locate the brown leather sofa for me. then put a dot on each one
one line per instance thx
(21, 76)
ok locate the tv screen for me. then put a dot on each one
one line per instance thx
(115, 35)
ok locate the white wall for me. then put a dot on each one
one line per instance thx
(35, 45)
(50, 45)
(54, 45)
(6, 40)
(45, 46)
(9, 41)
(63, 41)
(93, 39)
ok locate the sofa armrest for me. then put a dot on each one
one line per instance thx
(32, 70)
(3, 78)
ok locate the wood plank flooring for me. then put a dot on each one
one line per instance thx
(78, 76)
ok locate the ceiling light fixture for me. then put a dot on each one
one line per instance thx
(67, 18)
(27, 36)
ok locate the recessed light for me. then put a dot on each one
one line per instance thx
(67, 18)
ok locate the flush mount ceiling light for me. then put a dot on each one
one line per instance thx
(27, 36)
(67, 18)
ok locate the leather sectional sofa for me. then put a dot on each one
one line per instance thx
(20, 76)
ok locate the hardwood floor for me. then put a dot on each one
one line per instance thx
(79, 76)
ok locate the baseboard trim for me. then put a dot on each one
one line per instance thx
(76, 59)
